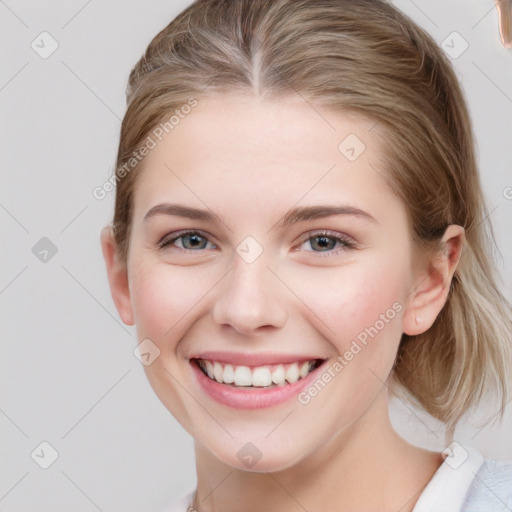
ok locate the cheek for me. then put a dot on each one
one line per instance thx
(362, 302)
(163, 298)
(363, 309)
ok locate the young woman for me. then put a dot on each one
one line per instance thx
(299, 228)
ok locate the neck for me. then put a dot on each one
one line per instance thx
(365, 467)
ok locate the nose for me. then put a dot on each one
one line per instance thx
(250, 299)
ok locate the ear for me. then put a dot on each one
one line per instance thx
(117, 275)
(432, 283)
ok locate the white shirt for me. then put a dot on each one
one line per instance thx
(464, 482)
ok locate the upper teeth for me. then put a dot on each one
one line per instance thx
(259, 376)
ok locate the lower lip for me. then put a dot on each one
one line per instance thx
(248, 397)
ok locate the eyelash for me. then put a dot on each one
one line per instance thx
(169, 239)
(346, 241)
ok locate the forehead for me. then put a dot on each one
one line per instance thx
(246, 151)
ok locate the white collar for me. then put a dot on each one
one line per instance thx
(447, 489)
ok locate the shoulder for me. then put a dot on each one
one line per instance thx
(180, 504)
(491, 489)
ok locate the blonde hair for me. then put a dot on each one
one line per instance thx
(364, 56)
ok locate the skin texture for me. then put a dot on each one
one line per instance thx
(249, 161)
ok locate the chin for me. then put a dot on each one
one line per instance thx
(259, 456)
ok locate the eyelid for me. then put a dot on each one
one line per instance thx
(346, 240)
(343, 237)
(169, 238)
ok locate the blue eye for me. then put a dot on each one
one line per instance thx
(324, 243)
(187, 240)
(327, 242)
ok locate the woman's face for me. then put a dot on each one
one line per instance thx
(299, 256)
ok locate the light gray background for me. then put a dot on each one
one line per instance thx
(69, 376)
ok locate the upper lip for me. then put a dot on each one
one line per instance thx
(245, 359)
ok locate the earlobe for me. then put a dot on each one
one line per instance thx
(431, 287)
(117, 276)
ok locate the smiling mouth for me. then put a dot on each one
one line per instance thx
(266, 376)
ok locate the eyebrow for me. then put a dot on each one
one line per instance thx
(305, 213)
(293, 216)
(180, 211)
